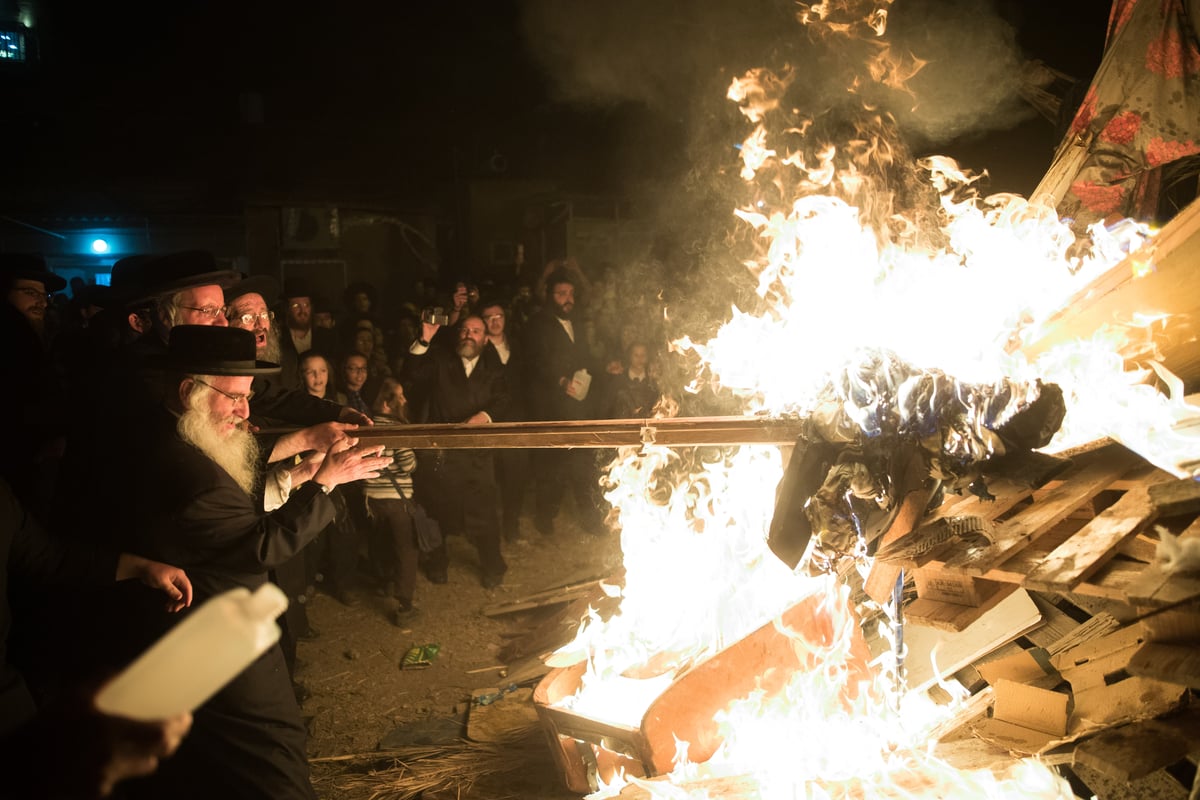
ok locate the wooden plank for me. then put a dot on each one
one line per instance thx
(1017, 533)
(1173, 286)
(1177, 497)
(1094, 545)
(928, 543)
(674, 432)
(954, 617)
(1111, 581)
(542, 599)
(1154, 587)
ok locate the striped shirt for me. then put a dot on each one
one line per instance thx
(395, 480)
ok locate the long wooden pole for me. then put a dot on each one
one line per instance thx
(675, 432)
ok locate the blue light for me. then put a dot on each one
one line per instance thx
(99, 246)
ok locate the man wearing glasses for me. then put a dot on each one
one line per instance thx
(197, 497)
(278, 398)
(301, 334)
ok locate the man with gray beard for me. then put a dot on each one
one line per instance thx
(198, 499)
(278, 398)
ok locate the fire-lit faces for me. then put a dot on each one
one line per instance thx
(362, 302)
(323, 319)
(228, 403)
(364, 341)
(299, 313)
(563, 297)
(471, 337)
(639, 357)
(391, 400)
(314, 373)
(493, 319)
(202, 305)
(354, 372)
(29, 297)
(249, 311)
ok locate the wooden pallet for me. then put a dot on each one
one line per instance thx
(1081, 533)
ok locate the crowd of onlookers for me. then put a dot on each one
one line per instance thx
(197, 429)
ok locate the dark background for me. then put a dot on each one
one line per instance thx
(199, 105)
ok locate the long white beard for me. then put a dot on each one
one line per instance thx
(236, 453)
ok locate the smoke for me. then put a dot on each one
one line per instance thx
(675, 61)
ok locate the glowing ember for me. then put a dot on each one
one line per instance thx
(947, 281)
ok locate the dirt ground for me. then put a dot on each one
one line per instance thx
(367, 716)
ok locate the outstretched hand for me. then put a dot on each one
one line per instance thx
(347, 461)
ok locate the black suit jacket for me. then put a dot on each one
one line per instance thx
(551, 356)
(448, 394)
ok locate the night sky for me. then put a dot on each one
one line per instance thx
(198, 104)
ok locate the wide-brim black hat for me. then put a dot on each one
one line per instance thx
(262, 285)
(212, 350)
(30, 267)
(160, 276)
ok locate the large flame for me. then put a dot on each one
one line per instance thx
(848, 263)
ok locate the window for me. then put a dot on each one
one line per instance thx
(12, 45)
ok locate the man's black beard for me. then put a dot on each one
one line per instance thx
(563, 313)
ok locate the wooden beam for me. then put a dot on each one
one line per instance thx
(674, 432)
(1171, 286)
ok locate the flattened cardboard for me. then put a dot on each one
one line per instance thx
(1038, 709)
(1022, 667)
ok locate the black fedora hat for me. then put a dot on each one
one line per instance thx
(159, 276)
(212, 350)
(296, 287)
(29, 267)
(262, 285)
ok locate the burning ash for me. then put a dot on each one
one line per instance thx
(893, 303)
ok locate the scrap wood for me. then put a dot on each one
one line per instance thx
(1135, 750)
(1078, 487)
(547, 597)
(548, 635)
(1156, 587)
(1181, 496)
(1093, 545)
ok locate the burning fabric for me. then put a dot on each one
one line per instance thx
(883, 428)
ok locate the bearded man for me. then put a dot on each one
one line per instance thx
(556, 348)
(458, 487)
(198, 500)
(279, 398)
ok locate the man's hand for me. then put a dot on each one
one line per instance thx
(348, 461)
(307, 468)
(136, 747)
(172, 581)
(354, 417)
(315, 437)
(429, 330)
(479, 418)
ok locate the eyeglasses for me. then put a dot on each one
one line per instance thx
(247, 320)
(298, 306)
(236, 398)
(212, 312)
(34, 294)
(491, 317)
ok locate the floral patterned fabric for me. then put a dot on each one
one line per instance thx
(1141, 112)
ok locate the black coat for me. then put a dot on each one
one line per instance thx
(448, 394)
(248, 740)
(550, 357)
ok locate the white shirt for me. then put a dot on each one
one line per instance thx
(501, 350)
(303, 343)
(469, 364)
(570, 329)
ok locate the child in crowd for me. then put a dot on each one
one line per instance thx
(390, 507)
